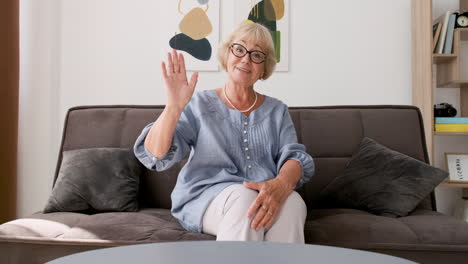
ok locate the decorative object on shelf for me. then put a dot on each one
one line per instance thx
(457, 165)
(444, 110)
(462, 20)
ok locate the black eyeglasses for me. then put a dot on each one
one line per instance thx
(255, 56)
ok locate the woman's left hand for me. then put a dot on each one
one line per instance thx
(266, 207)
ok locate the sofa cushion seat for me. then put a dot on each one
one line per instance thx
(147, 225)
(358, 229)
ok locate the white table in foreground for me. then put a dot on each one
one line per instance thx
(211, 252)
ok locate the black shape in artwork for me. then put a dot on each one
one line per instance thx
(200, 49)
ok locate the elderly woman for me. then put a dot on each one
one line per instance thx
(245, 162)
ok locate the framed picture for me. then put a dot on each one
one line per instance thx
(274, 15)
(192, 28)
(457, 165)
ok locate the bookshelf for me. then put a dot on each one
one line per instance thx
(455, 185)
(450, 72)
(464, 187)
(451, 133)
(443, 58)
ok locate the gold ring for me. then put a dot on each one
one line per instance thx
(265, 208)
(270, 213)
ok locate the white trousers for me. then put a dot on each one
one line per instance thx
(226, 218)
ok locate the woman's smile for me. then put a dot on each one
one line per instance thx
(241, 69)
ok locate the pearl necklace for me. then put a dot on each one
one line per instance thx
(243, 111)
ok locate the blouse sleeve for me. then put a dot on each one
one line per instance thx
(291, 149)
(182, 141)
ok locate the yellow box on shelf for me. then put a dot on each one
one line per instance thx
(451, 127)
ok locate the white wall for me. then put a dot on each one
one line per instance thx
(107, 52)
(38, 124)
(110, 53)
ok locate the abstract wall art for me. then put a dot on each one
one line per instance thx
(192, 27)
(273, 14)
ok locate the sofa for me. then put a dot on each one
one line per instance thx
(331, 135)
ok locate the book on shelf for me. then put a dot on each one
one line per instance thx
(444, 19)
(451, 127)
(449, 36)
(451, 120)
(436, 33)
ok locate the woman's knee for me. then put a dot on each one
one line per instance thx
(295, 204)
(240, 198)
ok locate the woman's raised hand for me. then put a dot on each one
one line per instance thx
(179, 90)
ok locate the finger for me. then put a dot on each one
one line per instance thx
(273, 216)
(262, 223)
(170, 64)
(254, 207)
(258, 219)
(253, 185)
(182, 64)
(193, 80)
(175, 61)
(269, 214)
(164, 71)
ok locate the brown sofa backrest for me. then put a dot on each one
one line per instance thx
(331, 134)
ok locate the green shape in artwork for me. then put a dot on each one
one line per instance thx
(277, 42)
(257, 15)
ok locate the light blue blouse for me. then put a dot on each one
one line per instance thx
(226, 147)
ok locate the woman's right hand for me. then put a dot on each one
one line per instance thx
(179, 90)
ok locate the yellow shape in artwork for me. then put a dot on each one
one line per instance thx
(196, 24)
(278, 6)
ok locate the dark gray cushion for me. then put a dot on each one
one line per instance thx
(96, 179)
(382, 181)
